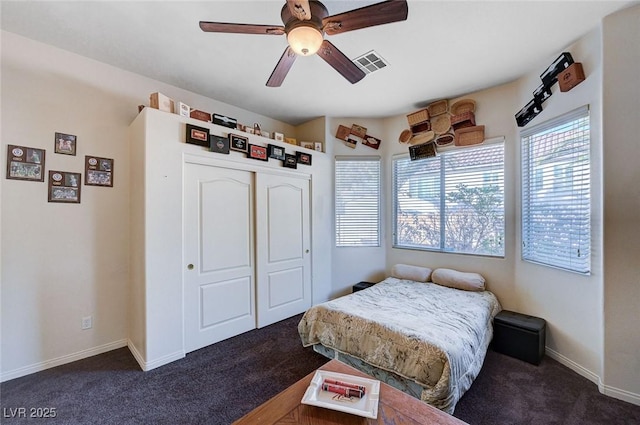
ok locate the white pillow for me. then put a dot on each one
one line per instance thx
(459, 280)
(404, 271)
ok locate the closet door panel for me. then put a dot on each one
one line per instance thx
(283, 260)
(219, 286)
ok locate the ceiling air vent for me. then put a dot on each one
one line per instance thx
(370, 62)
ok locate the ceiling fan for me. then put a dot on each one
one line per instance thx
(306, 22)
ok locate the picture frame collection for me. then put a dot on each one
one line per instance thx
(28, 164)
(201, 136)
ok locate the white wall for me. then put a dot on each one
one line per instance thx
(571, 303)
(352, 265)
(621, 153)
(62, 262)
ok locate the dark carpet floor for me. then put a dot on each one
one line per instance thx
(222, 382)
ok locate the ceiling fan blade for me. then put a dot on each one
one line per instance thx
(368, 16)
(282, 68)
(241, 28)
(340, 62)
(300, 9)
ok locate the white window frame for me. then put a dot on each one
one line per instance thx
(365, 207)
(556, 192)
(443, 246)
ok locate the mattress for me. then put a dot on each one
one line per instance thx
(429, 334)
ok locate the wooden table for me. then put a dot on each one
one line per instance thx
(394, 407)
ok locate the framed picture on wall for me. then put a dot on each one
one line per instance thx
(290, 161)
(238, 143)
(276, 152)
(64, 187)
(219, 144)
(65, 144)
(303, 158)
(197, 135)
(98, 171)
(25, 163)
(258, 152)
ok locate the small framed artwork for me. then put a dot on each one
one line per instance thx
(24, 163)
(290, 161)
(238, 143)
(65, 144)
(197, 135)
(291, 140)
(264, 133)
(352, 141)
(64, 187)
(372, 142)
(303, 158)
(358, 130)
(258, 152)
(98, 171)
(317, 146)
(343, 132)
(307, 145)
(276, 152)
(219, 144)
(278, 136)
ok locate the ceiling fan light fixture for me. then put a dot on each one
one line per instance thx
(305, 40)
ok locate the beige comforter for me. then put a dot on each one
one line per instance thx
(430, 334)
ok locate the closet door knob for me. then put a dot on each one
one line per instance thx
(190, 267)
(306, 251)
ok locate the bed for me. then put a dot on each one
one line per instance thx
(423, 338)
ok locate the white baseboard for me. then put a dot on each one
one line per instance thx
(607, 390)
(146, 366)
(37, 367)
(573, 366)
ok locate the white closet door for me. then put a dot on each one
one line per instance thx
(219, 292)
(283, 258)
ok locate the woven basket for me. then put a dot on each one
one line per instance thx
(445, 139)
(439, 107)
(405, 136)
(469, 135)
(424, 137)
(419, 128)
(441, 124)
(462, 106)
(418, 117)
(465, 119)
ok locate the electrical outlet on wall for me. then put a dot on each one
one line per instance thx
(87, 322)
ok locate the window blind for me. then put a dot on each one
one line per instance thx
(556, 200)
(453, 202)
(357, 201)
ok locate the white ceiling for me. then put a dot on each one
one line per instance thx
(443, 50)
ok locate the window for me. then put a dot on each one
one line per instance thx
(452, 203)
(357, 203)
(556, 226)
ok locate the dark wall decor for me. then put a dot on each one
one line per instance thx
(276, 152)
(219, 144)
(25, 163)
(303, 158)
(197, 135)
(98, 171)
(290, 161)
(64, 187)
(65, 144)
(238, 143)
